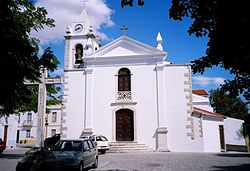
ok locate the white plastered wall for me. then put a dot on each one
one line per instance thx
(74, 100)
(233, 131)
(211, 134)
(144, 102)
(177, 107)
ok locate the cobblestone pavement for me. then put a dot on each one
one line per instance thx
(10, 157)
(154, 161)
(174, 162)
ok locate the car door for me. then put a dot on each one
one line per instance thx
(93, 151)
(86, 154)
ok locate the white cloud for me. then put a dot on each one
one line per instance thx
(64, 12)
(205, 81)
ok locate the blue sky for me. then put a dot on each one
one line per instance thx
(143, 25)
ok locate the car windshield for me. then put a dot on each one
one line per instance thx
(101, 138)
(67, 146)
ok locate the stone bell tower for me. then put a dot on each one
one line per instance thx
(80, 41)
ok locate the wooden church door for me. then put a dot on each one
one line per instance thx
(124, 125)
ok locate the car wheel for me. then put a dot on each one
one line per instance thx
(102, 151)
(95, 165)
(80, 168)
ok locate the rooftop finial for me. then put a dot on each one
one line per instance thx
(159, 41)
(123, 29)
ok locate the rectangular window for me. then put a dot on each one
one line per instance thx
(19, 118)
(27, 133)
(29, 117)
(54, 116)
(53, 132)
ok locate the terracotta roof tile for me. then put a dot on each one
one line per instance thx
(207, 113)
(200, 92)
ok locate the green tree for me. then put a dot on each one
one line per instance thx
(19, 60)
(227, 105)
(232, 107)
(131, 3)
(52, 89)
(227, 25)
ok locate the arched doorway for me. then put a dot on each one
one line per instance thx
(124, 125)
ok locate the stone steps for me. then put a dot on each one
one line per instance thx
(128, 147)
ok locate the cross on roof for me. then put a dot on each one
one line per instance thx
(83, 1)
(123, 29)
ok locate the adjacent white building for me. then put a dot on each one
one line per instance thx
(22, 128)
(8, 128)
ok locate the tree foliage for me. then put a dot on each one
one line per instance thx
(33, 98)
(227, 25)
(19, 60)
(227, 105)
(131, 3)
(52, 89)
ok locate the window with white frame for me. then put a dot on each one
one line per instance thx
(29, 117)
(124, 85)
(28, 133)
(19, 118)
(53, 132)
(54, 116)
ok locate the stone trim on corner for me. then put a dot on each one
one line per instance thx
(189, 104)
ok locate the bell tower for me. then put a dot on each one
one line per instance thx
(80, 41)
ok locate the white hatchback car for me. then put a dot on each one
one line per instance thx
(100, 141)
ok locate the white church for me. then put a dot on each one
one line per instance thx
(130, 92)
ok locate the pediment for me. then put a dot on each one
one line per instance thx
(125, 46)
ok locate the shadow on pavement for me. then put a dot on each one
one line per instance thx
(242, 167)
(234, 155)
(13, 153)
(10, 156)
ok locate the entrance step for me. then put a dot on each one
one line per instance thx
(128, 147)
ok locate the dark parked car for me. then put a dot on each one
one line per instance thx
(38, 159)
(50, 141)
(66, 154)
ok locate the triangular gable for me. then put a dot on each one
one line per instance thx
(125, 46)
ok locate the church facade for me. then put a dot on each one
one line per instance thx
(129, 92)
